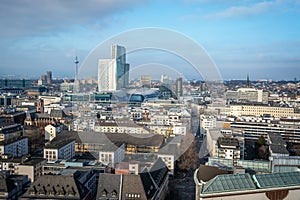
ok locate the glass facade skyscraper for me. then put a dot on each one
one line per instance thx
(113, 74)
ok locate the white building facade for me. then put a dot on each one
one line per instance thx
(60, 150)
(113, 74)
(112, 155)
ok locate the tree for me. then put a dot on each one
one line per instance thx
(263, 152)
(188, 160)
(261, 141)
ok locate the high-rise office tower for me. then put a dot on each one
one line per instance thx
(43, 77)
(49, 77)
(178, 88)
(113, 74)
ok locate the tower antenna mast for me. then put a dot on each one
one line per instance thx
(76, 68)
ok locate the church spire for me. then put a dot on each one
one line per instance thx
(248, 82)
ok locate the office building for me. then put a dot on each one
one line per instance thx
(31, 167)
(49, 77)
(253, 129)
(257, 110)
(15, 83)
(5, 100)
(247, 95)
(228, 148)
(207, 122)
(146, 81)
(10, 130)
(113, 73)
(60, 149)
(111, 154)
(178, 88)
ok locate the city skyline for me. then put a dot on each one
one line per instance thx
(241, 37)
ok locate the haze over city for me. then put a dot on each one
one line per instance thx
(259, 38)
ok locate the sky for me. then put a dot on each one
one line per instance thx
(259, 38)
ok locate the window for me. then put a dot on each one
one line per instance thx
(114, 193)
(104, 193)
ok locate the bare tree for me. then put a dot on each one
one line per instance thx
(188, 160)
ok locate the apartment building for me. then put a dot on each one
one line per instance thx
(228, 148)
(111, 154)
(10, 130)
(16, 147)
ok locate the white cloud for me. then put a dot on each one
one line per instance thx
(31, 17)
(237, 11)
(252, 9)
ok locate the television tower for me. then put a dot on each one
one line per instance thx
(76, 68)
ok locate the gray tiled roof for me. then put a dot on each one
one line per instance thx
(12, 140)
(103, 143)
(58, 143)
(56, 187)
(9, 182)
(228, 141)
(280, 149)
(276, 138)
(143, 186)
(133, 185)
(107, 185)
(58, 113)
(9, 127)
(138, 139)
(6, 185)
(158, 171)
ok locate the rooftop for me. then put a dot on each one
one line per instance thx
(108, 186)
(56, 187)
(276, 138)
(12, 140)
(9, 127)
(229, 183)
(215, 133)
(9, 182)
(142, 186)
(58, 113)
(228, 141)
(55, 144)
(33, 161)
(278, 149)
(285, 179)
(226, 183)
(136, 139)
